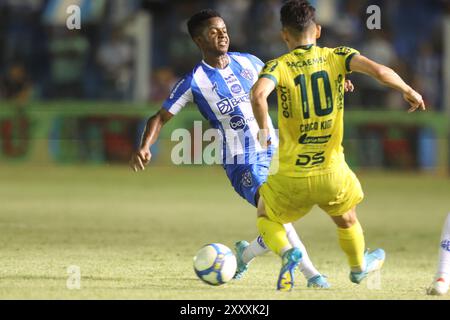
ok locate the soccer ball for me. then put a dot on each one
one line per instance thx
(215, 264)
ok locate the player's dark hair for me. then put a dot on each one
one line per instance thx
(197, 22)
(298, 15)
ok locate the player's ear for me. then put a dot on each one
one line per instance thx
(318, 31)
(284, 35)
(198, 40)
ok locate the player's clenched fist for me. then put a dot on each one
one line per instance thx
(415, 100)
(140, 158)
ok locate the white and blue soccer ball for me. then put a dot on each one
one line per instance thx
(215, 264)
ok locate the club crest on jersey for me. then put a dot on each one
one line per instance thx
(445, 244)
(247, 180)
(247, 74)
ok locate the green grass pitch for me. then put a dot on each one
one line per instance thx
(134, 235)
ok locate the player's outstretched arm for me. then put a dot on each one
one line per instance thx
(260, 91)
(389, 78)
(141, 157)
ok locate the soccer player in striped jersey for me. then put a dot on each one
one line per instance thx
(312, 168)
(220, 86)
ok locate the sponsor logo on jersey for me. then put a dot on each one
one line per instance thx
(306, 63)
(238, 123)
(176, 88)
(285, 98)
(342, 51)
(247, 180)
(445, 244)
(235, 88)
(247, 74)
(230, 79)
(304, 139)
(227, 105)
(270, 66)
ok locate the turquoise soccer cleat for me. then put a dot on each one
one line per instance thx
(290, 261)
(319, 282)
(374, 261)
(242, 267)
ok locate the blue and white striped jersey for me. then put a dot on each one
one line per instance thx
(223, 98)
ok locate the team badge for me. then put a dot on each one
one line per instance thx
(247, 180)
(247, 74)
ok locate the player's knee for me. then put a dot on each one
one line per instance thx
(261, 210)
(346, 220)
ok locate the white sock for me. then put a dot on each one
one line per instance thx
(444, 252)
(306, 266)
(256, 248)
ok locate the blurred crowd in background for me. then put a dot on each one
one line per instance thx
(41, 60)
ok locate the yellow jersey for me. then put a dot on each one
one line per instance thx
(310, 90)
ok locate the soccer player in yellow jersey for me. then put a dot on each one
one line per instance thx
(311, 165)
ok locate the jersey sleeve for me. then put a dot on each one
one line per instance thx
(344, 55)
(256, 62)
(180, 96)
(271, 70)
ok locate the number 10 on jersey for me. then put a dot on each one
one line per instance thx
(300, 80)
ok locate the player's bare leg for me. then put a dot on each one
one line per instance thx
(351, 240)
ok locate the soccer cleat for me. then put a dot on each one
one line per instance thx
(290, 261)
(373, 260)
(319, 282)
(439, 287)
(242, 267)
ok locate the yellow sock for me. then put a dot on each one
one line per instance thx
(352, 243)
(274, 235)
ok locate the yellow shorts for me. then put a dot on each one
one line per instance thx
(287, 199)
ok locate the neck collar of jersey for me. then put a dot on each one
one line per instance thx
(305, 47)
(211, 67)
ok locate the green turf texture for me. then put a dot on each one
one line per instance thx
(134, 235)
